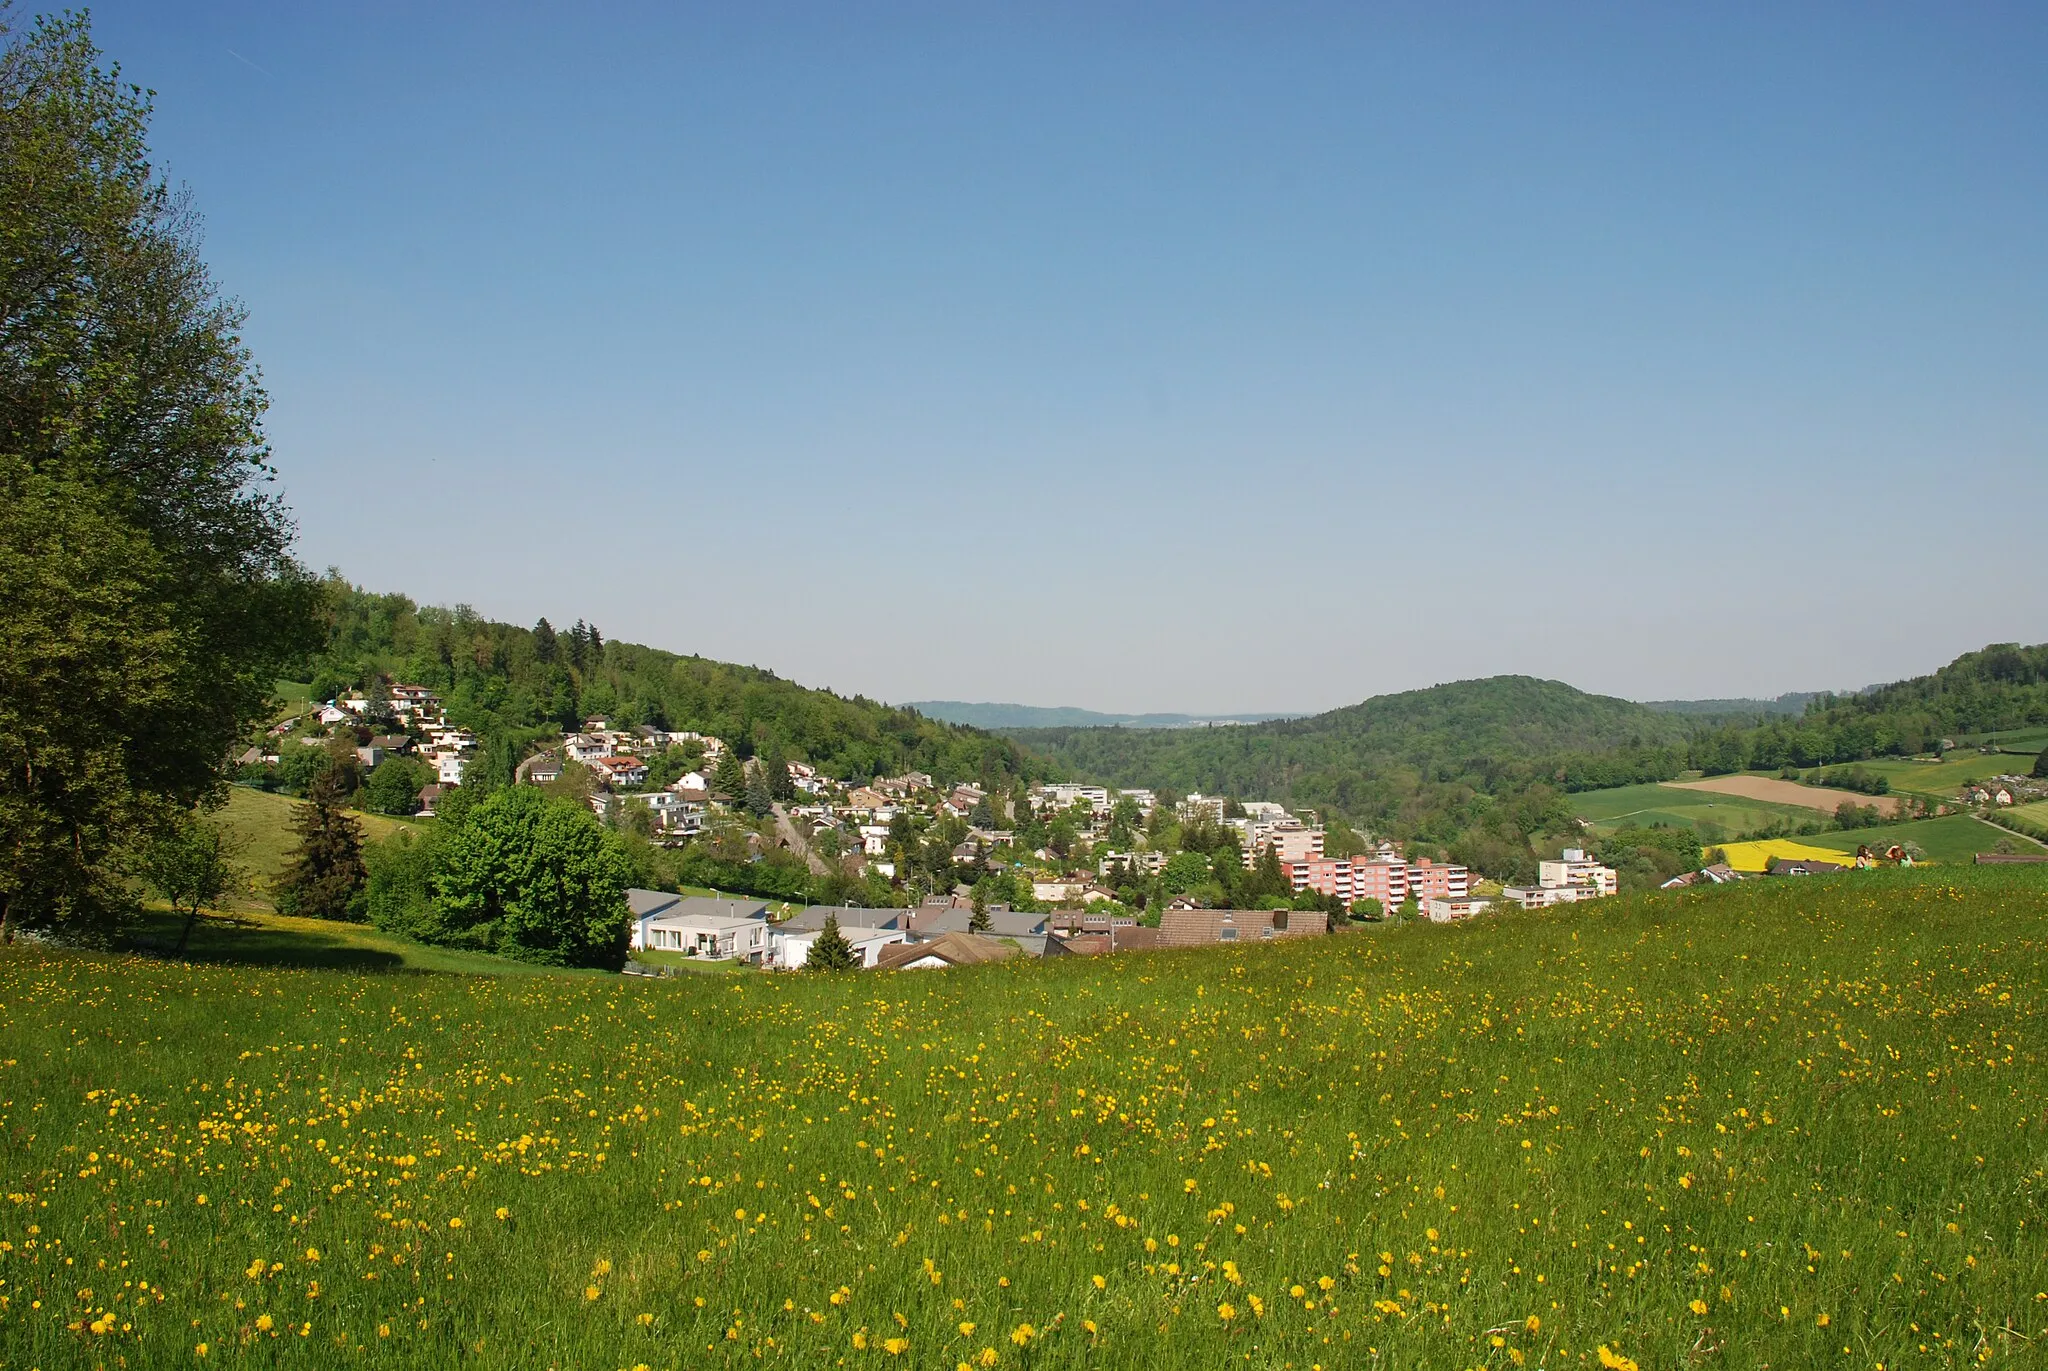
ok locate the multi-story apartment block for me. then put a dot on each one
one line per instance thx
(1383, 878)
(1577, 869)
(1291, 842)
(1326, 875)
(1429, 880)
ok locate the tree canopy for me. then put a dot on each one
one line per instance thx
(147, 593)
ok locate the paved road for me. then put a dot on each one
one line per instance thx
(799, 844)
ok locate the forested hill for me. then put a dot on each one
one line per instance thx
(2003, 686)
(1359, 757)
(513, 684)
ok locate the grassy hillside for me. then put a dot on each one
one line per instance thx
(1776, 1120)
(1354, 756)
(260, 823)
(1712, 816)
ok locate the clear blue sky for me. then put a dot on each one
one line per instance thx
(1153, 357)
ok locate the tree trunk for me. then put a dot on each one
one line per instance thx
(185, 935)
(6, 929)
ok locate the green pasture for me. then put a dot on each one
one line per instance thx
(1649, 805)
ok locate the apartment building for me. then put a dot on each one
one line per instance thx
(1325, 875)
(1429, 880)
(1577, 869)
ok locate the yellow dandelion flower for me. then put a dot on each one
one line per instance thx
(312, 1254)
(1821, 1322)
(1088, 1327)
(1698, 1306)
(645, 1320)
(603, 1267)
(264, 1323)
(503, 1212)
(202, 1350)
(591, 1292)
(383, 1330)
(967, 1327)
(1534, 1324)
(454, 1221)
(1099, 1282)
(896, 1347)
(860, 1341)
(1022, 1334)
(987, 1357)
(1226, 1311)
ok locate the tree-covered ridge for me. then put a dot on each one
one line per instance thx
(513, 684)
(1364, 756)
(2003, 686)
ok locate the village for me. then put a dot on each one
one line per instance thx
(1080, 889)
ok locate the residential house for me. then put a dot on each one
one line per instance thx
(620, 772)
(675, 816)
(1720, 873)
(332, 713)
(866, 797)
(430, 798)
(1787, 866)
(448, 768)
(947, 950)
(699, 911)
(587, 747)
(1443, 911)
(1061, 890)
(933, 920)
(874, 839)
(850, 917)
(707, 936)
(1147, 863)
(542, 769)
(1206, 927)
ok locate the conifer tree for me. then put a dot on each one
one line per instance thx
(728, 779)
(780, 787)
(831, 951)
(759, 802)
(981, 922)
(544, 646)
(327, 872)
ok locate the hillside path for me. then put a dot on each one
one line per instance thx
(798, 843)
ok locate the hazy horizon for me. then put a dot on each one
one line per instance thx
(1193, 359)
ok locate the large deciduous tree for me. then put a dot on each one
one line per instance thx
(532, 876)
(147, 593)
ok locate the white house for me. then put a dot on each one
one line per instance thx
(448, 768)
(874, 839)
(331, 713)
(713, 939)
(1449, 911)
(587, 747)
(789, 949)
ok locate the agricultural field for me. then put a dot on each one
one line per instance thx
(2035, 813)
(1799, 1123)
(1793, 793)
(1648, 805)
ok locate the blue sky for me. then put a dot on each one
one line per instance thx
(1189, 357)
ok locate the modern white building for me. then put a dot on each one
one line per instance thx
(789, 949)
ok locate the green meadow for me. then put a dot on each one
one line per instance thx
(1785, 1123)
(1943, 779)
(1951, 838)
(1649, 805)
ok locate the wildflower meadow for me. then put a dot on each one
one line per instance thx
(1788, 1124)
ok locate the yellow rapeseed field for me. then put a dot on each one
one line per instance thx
(1794, 1124)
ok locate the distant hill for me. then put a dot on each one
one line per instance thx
(1792, 702)
(1359, 756)
(1007, 716)
(513, 685)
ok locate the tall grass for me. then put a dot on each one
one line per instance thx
(1790, 1124)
